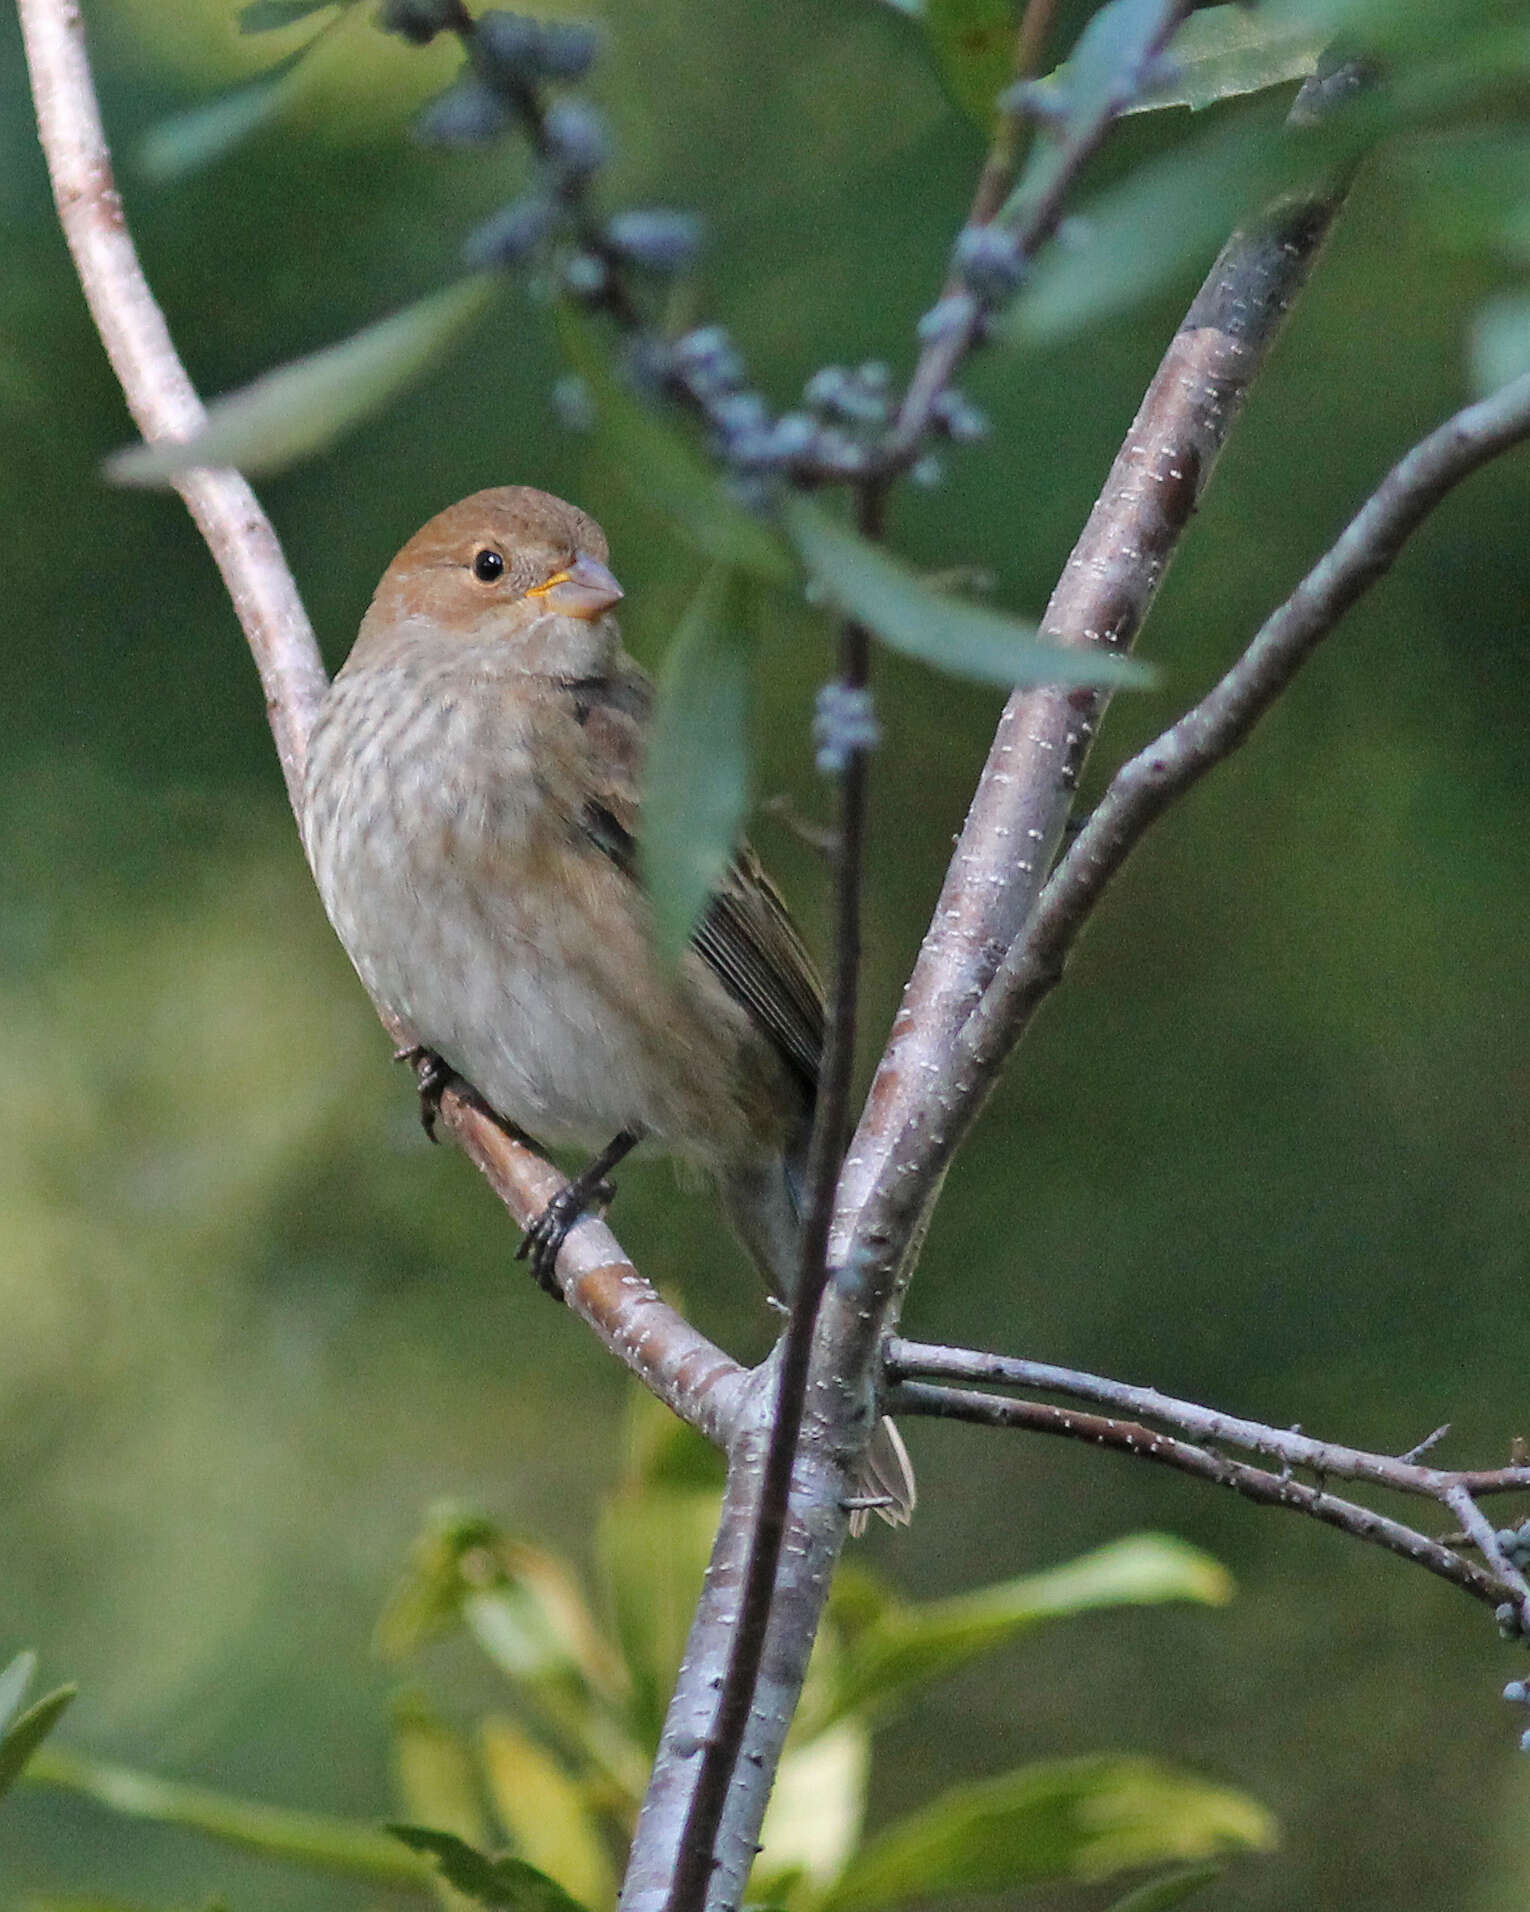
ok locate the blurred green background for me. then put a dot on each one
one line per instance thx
(1267, 1148)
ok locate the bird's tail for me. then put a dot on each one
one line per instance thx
(765, 1204)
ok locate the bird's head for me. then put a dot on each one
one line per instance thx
(513, 568)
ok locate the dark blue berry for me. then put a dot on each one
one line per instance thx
(467, 114)
(989, 261)
(513, 234)
(577, 141)
(657, 240)
(417, 21)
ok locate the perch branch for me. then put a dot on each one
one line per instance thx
(694, 1378)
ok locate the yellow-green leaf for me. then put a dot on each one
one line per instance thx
(503, 1885)
(545, 1813)
(815, 1813)
(901, 1644)
(1222, 52)
(316, 1840)
(27, 1731)
(1068, 1819)
(653, 1550)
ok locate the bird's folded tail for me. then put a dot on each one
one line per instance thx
(764, 1203)
(885, 1480)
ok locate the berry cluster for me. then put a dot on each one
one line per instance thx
(839, 433)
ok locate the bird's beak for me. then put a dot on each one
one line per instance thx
(585, 590)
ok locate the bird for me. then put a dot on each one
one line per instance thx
(471, 812)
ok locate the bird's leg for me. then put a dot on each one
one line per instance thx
(546, 1234)
(435, 1078)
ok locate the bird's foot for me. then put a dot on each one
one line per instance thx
(588, 1189)
(435, 1078)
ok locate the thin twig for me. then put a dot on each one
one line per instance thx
(906, 1359)
(1037, 223)
(1145, 787)
(1253, 1483)
(720, 1755)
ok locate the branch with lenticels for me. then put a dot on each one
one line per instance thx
(693, 1377)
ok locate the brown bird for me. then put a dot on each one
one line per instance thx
(471, 814)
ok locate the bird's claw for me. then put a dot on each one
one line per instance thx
(544, 1239)
(435, 1078)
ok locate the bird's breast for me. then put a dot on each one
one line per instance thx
(477, 909)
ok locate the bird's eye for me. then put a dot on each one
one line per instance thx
(488, 566)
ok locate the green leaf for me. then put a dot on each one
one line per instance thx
(861, 581)
(14, 1682)
(901, 1645)
(1068, 1819)
(1223, 52)
(1499, 346)
(27, 1731)
(185, 142)
(302, 407)
(505, 1885)
(1173, 1888)
(1162, 219)
(663, 471)
(696, 773)
(974, 46)
(315, 1840)
(266, 16)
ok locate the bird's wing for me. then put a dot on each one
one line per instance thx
(745, 935)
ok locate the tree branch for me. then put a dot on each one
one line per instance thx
(1253, 1483)
(693, 1377)
(908, 1359)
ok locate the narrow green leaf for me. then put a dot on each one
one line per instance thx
(315, 1840)
(902, 1645)
(860, 580)
(302, 407)
(666, 473)
(266, 16)
(1069, 1819)
(1221, 53)
(1162, 219)
(27, 1731)
(14, 1681)
(696, 775)
(974, 46)
(1499, 342)
(1173, 1888)
(504, 1885)
(185, 142)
